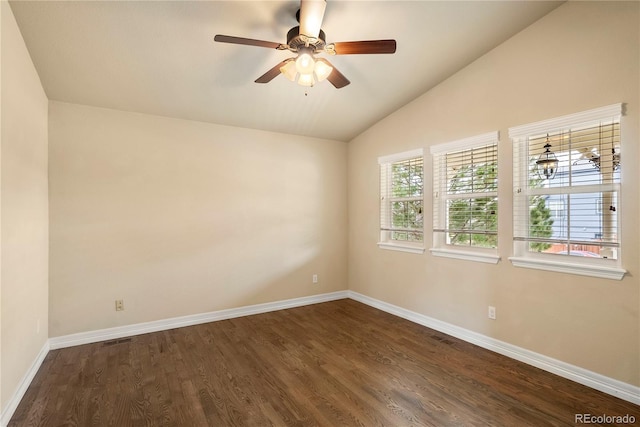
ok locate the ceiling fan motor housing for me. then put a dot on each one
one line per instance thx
(295, 40)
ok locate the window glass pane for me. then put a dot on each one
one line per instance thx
(472, 171)
(407, 178)
(476, 240)
(579, 250)
(586, 223)
(407, 236)
(579, 224)
(407, 214)
(585, 156)
(541, 221)
(472, 221)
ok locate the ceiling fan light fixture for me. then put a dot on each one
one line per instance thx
(305, 63)
(289, 70)
(306, 80)
(322, 70)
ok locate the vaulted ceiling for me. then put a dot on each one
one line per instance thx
(159, 57)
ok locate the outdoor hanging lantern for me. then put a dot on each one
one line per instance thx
(547, 163)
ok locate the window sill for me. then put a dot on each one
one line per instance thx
(466, 255)
(602, 272)
(401, 248)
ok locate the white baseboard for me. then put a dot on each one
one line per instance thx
(194, 319)
(580, 375)
(14, 401)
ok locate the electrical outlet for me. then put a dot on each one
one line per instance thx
(492, 312)
(119, 305)
(315, 278)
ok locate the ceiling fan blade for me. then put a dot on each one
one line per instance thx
(336, 78)
(250, 42)
(272, 73)
(364, 47)
(311, 15)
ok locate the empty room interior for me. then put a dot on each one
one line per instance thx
(435, 224)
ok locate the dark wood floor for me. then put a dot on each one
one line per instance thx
(332, 364)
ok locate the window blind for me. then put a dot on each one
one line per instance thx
(465, 208)
(576, 211)
(401, 199)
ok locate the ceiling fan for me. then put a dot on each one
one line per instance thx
(307, 40)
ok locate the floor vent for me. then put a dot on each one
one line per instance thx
(442, 339)
(120, 341)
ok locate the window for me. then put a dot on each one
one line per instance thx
(567, 190)
(401, 201)
(465, 198)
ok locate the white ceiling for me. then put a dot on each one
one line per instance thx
(159, 57)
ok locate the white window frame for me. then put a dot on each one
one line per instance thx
(440, 183)
(523, 257)
(385, 241)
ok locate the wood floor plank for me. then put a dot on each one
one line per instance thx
(336, 363)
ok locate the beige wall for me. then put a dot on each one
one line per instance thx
(179, 217)
(24, 216)
(583, 55)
